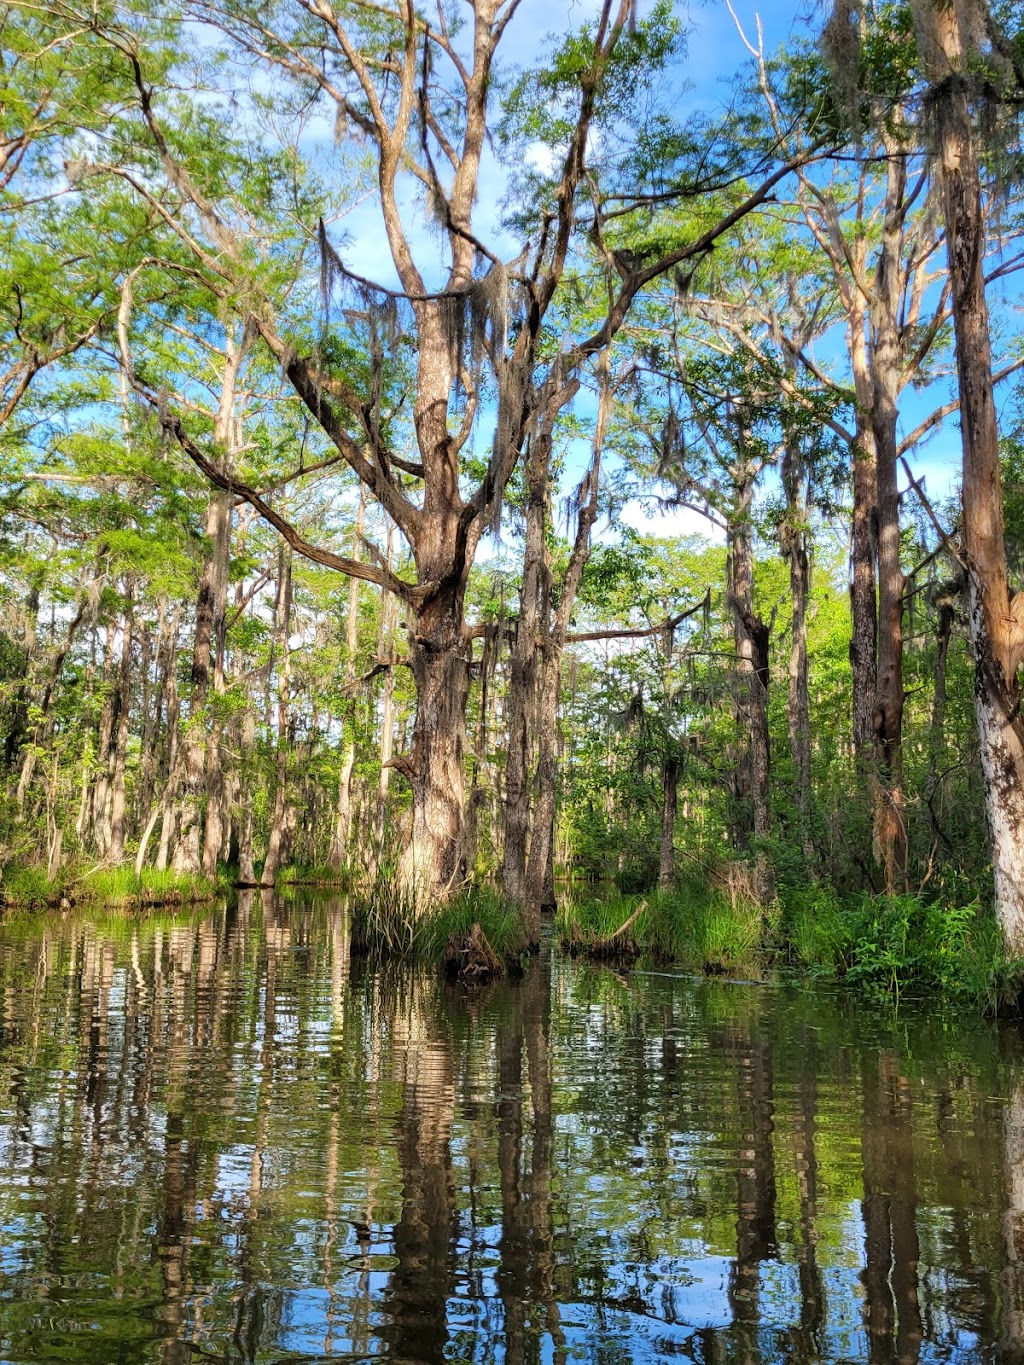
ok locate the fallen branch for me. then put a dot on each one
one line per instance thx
(616, 944)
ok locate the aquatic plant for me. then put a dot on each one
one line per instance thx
(888, 945)
(27, 885)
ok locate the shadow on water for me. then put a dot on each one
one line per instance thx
(224, 1139)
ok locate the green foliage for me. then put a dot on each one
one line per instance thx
(27, 885)
(891, 946)
(502, 926)
(704, 930)
(901, 944)
(386, 924)
(104, 529)
(23, 884)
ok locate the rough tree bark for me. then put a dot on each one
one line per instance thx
(343, 810)
(997, 621)
(524, 724)
(536, 670)
(889, 817)
(283, 815)
(750, 638)
(795, 541)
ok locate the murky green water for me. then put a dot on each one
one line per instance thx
(221, 1139)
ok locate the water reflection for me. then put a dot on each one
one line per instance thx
(222, 1138)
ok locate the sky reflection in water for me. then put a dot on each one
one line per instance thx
(222, 1139)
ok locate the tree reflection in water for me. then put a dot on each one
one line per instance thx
(224, 1138)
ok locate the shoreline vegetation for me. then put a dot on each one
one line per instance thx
(24, 887)
(900, 946)
(903, 946)
(582, 530)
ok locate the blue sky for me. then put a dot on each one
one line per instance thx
(715, 53)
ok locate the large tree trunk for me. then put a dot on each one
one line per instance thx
(536, 673)
(889, 818)
(796, 549)
(540, 890)
(120, 746)
(862, 547)
(433, 862)
(523, 729)
(279, 840)
(750, 637)
(997, 624)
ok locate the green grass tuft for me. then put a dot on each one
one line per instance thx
(386, 924)
(882, 945)
(114, 886)
(705, 930)
(502, 925)
(22, 884)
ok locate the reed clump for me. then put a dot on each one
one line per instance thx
(705, 929)
(893, 946)
(28, 887)
(473, 935)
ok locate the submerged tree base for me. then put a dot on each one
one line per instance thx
(474, 935)
(471, 958)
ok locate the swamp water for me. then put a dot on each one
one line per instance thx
(223, 1139)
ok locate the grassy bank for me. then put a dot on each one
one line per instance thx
(473, 935)
(26, 887)
(898, 946)
(315, 875)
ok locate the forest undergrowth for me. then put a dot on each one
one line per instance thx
(899, 946)
(25, 886)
